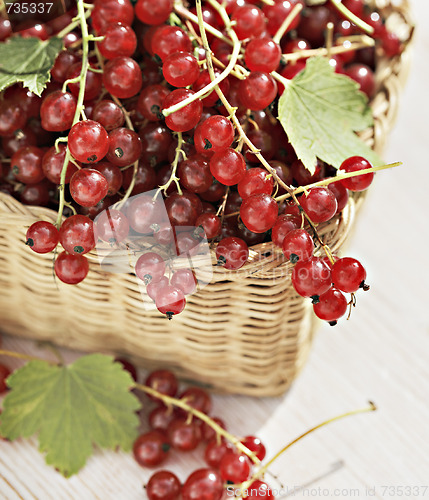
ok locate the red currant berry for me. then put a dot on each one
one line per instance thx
(259, 490)
(170, 39)
(181, 69)
(186, 118)
(348, 275)
(213, 135)
(77, 234)
(194, 174)
(185, 280)
(108, 114)
(151, 449)
(88, 187)
(153, 13)
(150, 267)
(88, 141)
(262, 54)
(170, 301)
(258, 90)
(4, 374)
(232, 252)
(163, 485)
(125, 147)
(210, 223)
(163, 381)
(184, 436)
(160, 418)
(259, 212)
(150, 102)
(122, 77)
(331, 305)
(278, 12)
(106, 12)
(250, 21)
(311, 277)
(113, 175)
(255, 444)
(284, 225)
(112, 226)
(360, 182)
(228, 167)
(298, 245)
(208, 481)
(364, 76)
(26, 165)
(198, 398)
(319, 203)
(119, 40)
(341, 194)
(183, 209)
(215, 452)
(42, 237)
(71, 269)
(255, 181)
(92, 83)
(235, 468)
(57, 111)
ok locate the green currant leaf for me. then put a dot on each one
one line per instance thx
(320, 111)
(73, 408)
(28, 60)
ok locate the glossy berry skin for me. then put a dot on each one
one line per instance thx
(210, 223)
(160, 418)
(150, 267)
(52, 165)
(298, 245)
(108, 114)
(12, 118)
(203, 484)
(170, 39)
(259, 490)
(278, 12)
(153, 13)
(319, 204)
(198, 398)
(250, 21)
(364, 76)
(88, 141)
(36, 194)
(122, 77)
(163, 485)
(125, 147)
(234, 467)
(112, 226)
(232, 252)
(57, 111)
(42, 237)
(163, 381)
(255, 444)
(26, 165)
(311, 277)
(213, 135)
(208, 432)
(348, 274)
(113, 175)
(143, 212)
(194, 174)
(145, 179)
(92, 82)
(64, 60)
(360, 182)
(119, 40)
(111, 11)
(341, 194)
(185, 280)
(23, 137)
(262, 54)
(258, 90)
(181, 69)
(186, 118)
(331, 306)
(88, 187)
(150, 102)
(214, 453)
(183, 209)
(71, 269)
(255, 181)
(151, 449)
(170, 300)
(284, 224)
(184, 436)
(259, 212)
(228, 167)
(77, 234)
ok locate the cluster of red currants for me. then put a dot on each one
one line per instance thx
(149, 64)
(174, 428)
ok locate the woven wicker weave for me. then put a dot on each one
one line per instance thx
(247, 332)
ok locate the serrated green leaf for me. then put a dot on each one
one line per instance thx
(28, 60)
(320, 112)
(72, 407)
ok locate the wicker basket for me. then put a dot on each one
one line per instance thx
(247, 332)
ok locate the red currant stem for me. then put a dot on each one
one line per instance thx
(173, 177)
(184, 12)
(352, 17)
(70, 206)
(214, 83)
(264, 468)
(268, 2)
(180, 403)
(363, 42)
(19, 355)
(75, 22)
(287, 22)
(221, 209)
(329, 38)
(338, 177)
(81, 15)
(57, 142)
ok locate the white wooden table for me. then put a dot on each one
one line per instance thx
(380, 354)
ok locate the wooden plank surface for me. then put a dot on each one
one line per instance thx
(380, 354)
